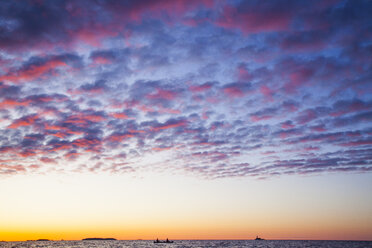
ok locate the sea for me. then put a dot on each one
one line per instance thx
(191, 244)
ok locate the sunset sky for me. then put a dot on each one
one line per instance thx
(186, 119)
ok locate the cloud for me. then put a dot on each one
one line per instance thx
(172, 123)
(162, 94)
(238, 89)
(214, 89)
(253, 17)
(201, 88)
(32, 72)
(11, 169)
(9, 90)
(264, 114)
(24, 121)
(119, 137)
(67, 23)
(96, 88)
(10, 103)
(343, 107)
(103, 57)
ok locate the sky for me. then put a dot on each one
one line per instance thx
(186, 119)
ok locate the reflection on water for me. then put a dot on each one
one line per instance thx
(191, 244)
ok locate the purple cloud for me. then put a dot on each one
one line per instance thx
(211, 88)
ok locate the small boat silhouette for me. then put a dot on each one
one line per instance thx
(167, 241)
(258, 238)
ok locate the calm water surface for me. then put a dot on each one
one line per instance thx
(191, 244)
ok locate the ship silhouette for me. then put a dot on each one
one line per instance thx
(157, 241)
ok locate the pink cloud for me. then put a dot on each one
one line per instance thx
(161, 148)
(93, 118)
(318, 128)
(350, 107)
(101, 61)
(15, 168)
(89, 144)
(53, 127)
(10, 103)
(169, 125)
(267, 93)
(254, 19)
(120, 116)
(357, 143)
(297, 79)
(243, 73)
(200, 88)
(287, 125)
(306, 116)
(290, 133)
(136, 131)
(60, 135)
(25, 121)
(48, 160)
(61, 147)
(32, 72)
(119, 137)
(168, 110)
(256, 118)
(233, 91)
(93, 36)
(174, 9)
(71, 155)
(162, 94)
(28, 153)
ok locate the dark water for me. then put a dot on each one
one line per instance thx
(192, 244)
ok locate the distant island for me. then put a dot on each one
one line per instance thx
(99, 239)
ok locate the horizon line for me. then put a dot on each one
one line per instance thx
(139, 239)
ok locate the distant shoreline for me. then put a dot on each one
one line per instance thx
(87, 239)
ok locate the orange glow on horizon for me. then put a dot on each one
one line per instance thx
(78, 206)
(182, 233)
